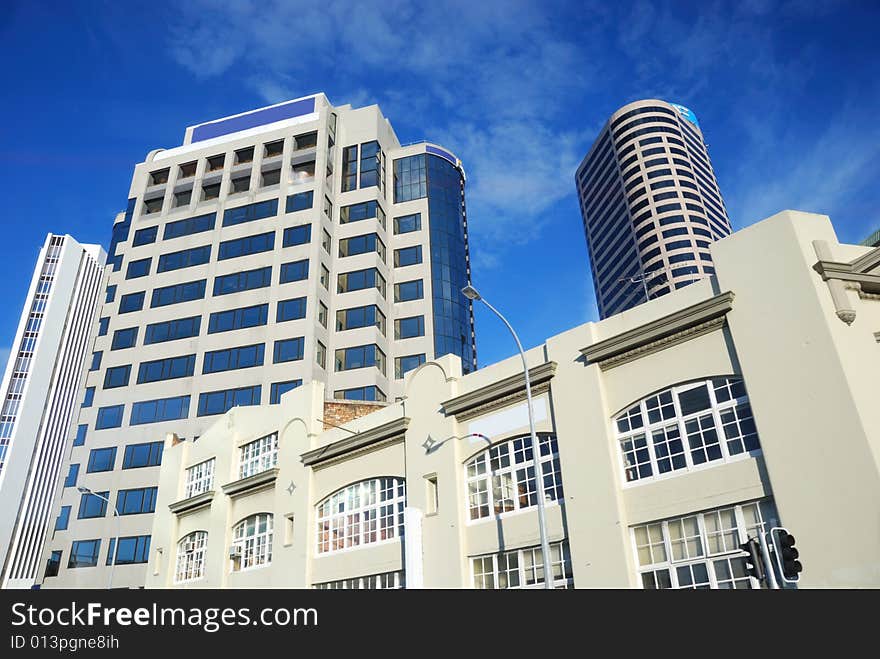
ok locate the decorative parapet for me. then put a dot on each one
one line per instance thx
(861, 275)
(360, 442)
(252, 483)
(193, 503)
(501, 393)
(677, 327)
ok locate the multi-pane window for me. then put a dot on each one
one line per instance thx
(502, 478)
(294, 271)
(685, 427)
(257, 456)
(299, 235)
(184, 259)
(84, 553)
(364, 513)
(131, 302)
(406, 328)
(63, 519)
(131, 549)
(349, 168)
(360, 279)
(364, 244)
(408, 223)
(372, 173)
(364, 211)
(288, 350)
(101, 459)
(230, 249)
(700, 550)
(124, 338)
(368, 316)
(299, 201)
(171, 330)
(278, 389)
(93, 505)
(230, 359)
(409, 290)
(199, 478)
(191, 552)
(403, 365)
(243, 281)
(144, 236)
(117, 376)
(72, 473)
(177, 293)
(166, 369)
(410, 178)
(522, 568)
(136, 501)
(383, 581)
(148, 454)
(189, 226)
(371, 392)
(219, 402)
(159, 409)
(407, 256)
(360, 357)
(251, 212)
(139, 268)
(233, 319)
(293, 309)
(254, 538)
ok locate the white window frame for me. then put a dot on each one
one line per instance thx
(191, 564)
(705, 558)
(256, 547)
(363, 514)
(258, 456)
(200, 478)
(483, 481)
(501, 562)
(384, 581)
(677, 423)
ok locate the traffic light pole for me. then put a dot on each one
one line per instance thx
(768, 565)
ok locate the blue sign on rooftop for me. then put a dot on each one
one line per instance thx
(252, 119)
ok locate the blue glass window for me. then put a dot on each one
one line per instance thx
(299, 202)
(349, 168)
(361, 245)
(407, 256)
(360, 357)
(160, 409)
(410, 178)
(176, 293)
(251, 212)
(101, 459)
(288, 350)
(219, 402)
(84, 553)
(243, 281)
(363, 211)
(291, 309)
(131, 302)
(145, 236)
(262, 242)
(109, 417)
(299, 235)
(81, 431)
(405, 328)
(371, 165)
(72, 473)
(408, 223)
(103, 326)
(117, 376)
(278, 389)
(136, 501)
(166, 369)
(294, 271)
(143, 455)
(63, 519)
(111, 294)
(171, 330)
(233, 319)
(124, 338)
(132, 549)
(189, 226)
(360, 279)
(408, 290)
(403, 365)
(89, 397)
(360, 393)
(233, 358)
(139, 268)
(355, 317)
(96, 360)
(184, 258)
(91, 505)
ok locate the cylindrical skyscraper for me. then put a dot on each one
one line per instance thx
(650, 204)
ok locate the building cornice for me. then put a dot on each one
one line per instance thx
(193, 503)
(360, 442)
(252, 483)
(858, 275)
(677, 327)
(501, 393)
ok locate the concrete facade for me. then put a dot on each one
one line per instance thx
(650, 205)
(40, 396)
(674, 431)
(301, 241)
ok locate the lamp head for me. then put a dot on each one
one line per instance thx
(84, 490)
(470, 292)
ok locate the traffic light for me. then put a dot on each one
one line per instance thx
(754, 562)
(787, 555)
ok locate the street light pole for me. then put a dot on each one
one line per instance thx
(471, 293)
(86, 490)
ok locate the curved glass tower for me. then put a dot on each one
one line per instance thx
(650, 204)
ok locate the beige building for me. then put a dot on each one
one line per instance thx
(669, 434)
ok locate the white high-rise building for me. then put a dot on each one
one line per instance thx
(39, 396)
(292, 243)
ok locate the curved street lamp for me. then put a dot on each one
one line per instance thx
(471, 294)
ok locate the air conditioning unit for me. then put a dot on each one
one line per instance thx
(235, 551)
(189, 547)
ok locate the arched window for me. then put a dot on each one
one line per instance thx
(253, 537)
(361, 514)
(686, 426)
(191, 557)
(502, 478)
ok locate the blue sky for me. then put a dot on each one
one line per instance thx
(786, 93)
